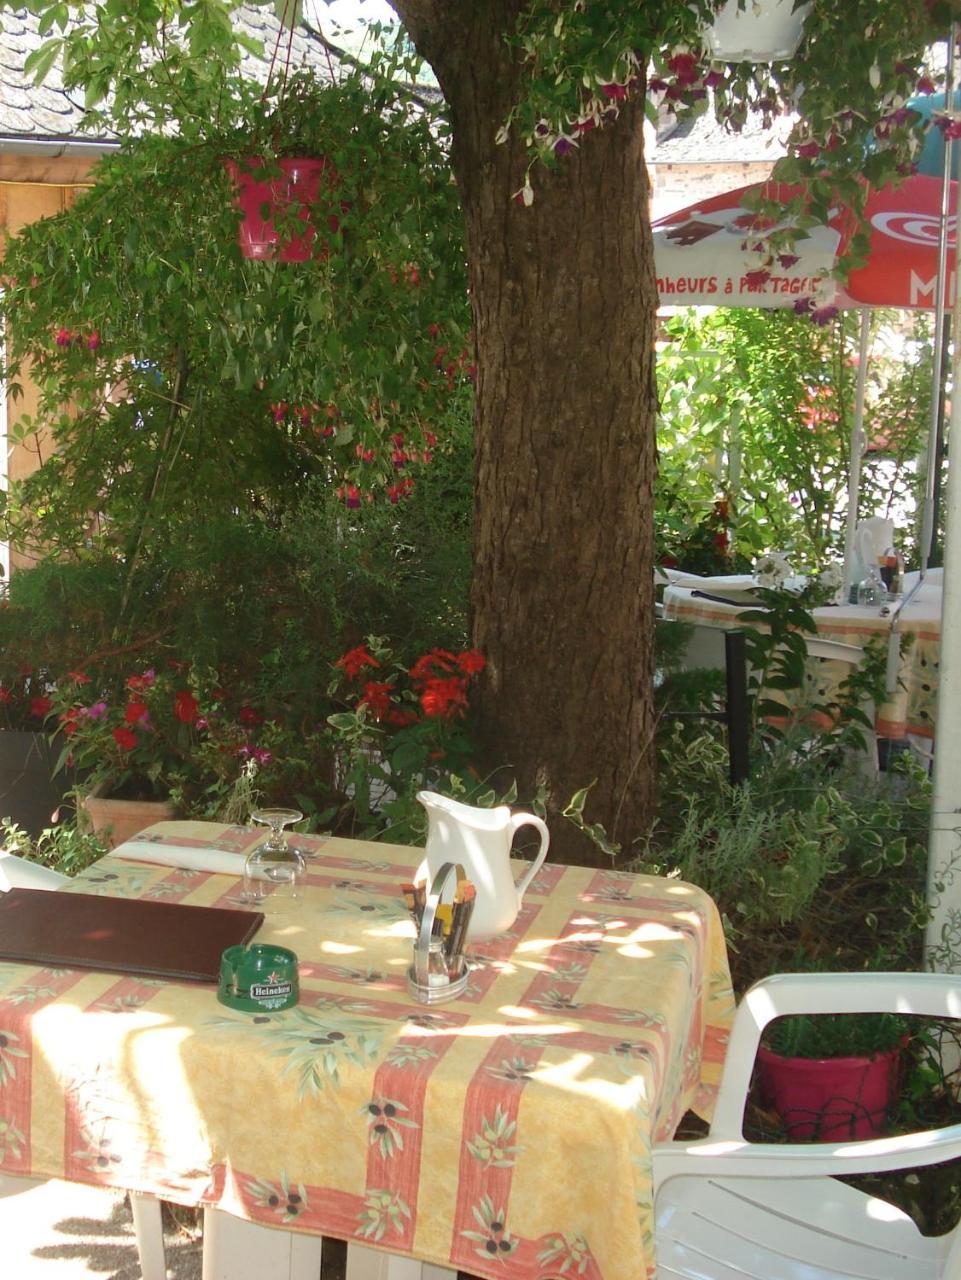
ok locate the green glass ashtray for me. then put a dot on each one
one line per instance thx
(257, 979)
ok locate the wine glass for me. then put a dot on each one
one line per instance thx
(275, 873)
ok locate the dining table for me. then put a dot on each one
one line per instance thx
(910, 626)
(505, 1133)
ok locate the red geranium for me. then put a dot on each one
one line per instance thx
(355, 660)
(376, 696)
(134, 712)
(471, 662)
(444, 698)
(186, 706)
(40, 706)
(125, 738)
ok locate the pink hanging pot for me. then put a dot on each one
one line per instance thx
(278, 203)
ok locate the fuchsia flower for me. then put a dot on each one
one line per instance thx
(93, 340)
(684, 67)
(808, 150)
(64, 338)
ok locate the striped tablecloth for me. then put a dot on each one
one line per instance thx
(513, 1124)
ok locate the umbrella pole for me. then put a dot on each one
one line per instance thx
(856, 452)
(931, 485)
(943, 933)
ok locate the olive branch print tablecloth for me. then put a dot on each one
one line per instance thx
(506, 1133)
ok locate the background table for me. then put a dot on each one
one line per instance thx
(514, 1123)
(911, 707)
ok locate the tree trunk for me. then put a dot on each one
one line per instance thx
(564, 299)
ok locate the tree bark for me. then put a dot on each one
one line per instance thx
(564, 301)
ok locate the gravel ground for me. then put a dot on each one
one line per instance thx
(64, 1231)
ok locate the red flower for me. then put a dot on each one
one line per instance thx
(185, 706)
(427, 666)
(6, 695)
(125, 738)
(139, 683)
(248, 716)
(471, 662)
(78, 677)
(135, 712)
(684, 67)
(354, 661)
(376, 696)
(40, 706)
(68, 721)
(64, 338)
(444, 698)
(402, 717)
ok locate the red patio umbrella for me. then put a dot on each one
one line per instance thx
(705, 255)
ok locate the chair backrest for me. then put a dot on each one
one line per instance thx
(17, 873)
(933, 995)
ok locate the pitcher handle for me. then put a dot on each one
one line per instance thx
(519, 820)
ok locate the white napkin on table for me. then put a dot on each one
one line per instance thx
(220, 861)
(718, 583)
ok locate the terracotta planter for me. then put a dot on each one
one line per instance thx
(287, 196)
(117, 820)
(830, 1099)
(30, 792)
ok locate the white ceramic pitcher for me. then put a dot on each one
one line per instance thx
(480, 840)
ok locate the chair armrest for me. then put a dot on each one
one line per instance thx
(709, 1156)
(935, 995)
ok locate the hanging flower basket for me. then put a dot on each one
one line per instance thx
(761, 31)
(278, 202)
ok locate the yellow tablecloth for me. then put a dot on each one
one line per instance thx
(911, 707)
(511, 1126)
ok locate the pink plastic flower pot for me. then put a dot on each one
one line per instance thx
(288, 196)
(830, 1099)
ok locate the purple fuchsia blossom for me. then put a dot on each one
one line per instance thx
(925, 85)
(823, 315)
(808, 150)
(804, 306)
(950, 128)
(713, 79)
(63, 338)
(563, 146)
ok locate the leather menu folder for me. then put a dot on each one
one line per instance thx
(126, 935)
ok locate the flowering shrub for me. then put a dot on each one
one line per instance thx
(402, 729)
(175, 731)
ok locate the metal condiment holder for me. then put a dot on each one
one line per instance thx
(431, 981)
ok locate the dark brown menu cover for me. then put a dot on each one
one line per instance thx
(129, 935)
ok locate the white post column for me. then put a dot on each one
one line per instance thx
(943, 934)
(856, 453)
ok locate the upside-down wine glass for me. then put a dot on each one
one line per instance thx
(275, 872)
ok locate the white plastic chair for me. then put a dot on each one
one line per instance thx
(17, 873)
(728, 1209)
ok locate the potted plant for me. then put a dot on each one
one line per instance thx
(832, 1077)
(172, 739)
(281, 176)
